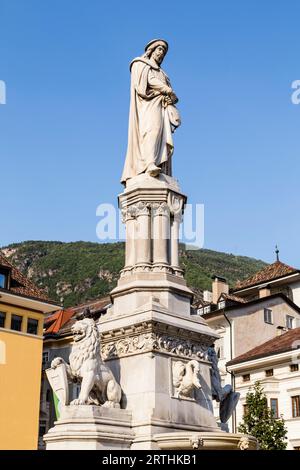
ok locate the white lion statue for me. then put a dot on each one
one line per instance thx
(98, 385)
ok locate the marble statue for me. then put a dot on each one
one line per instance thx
(227, 398)
(186, 378)
(153, 116)
(98, 385)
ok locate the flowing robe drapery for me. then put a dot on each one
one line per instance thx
(149, 133)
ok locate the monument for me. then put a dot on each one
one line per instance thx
(147, 369)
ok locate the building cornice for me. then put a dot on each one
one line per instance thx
(29, 303)
(286, 356)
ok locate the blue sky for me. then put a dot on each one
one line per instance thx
(63, 131)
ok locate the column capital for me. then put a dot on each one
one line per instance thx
(128, 213)
(160, 208)
(141, 208)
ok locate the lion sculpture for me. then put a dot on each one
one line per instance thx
(98, 385)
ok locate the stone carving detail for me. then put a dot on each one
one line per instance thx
(186, 379)
(160, 208)
(98, 385)
(153, 341)
(129, 345)
(227, 398)
(175, 204)
(141, 208)
(148, 268)
(128, 213)
(196, 442)
(145, 208)
(244, 443)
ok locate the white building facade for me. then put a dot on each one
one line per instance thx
(279, 375)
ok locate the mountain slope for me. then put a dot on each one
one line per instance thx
(80, 271)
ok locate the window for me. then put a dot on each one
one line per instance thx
(268, 315)
(294, 367)
(221, 304)
(289, 322)
(274, 407)
(45, 358)
(32, 326)
(246, 377)
(3, 279)
(16, 322)
(2, 319)
(269, 373)
(296, 406)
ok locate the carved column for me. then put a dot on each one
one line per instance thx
(175, 205)
(142, 233)
(160, 232)
(175, 240)
(129, 221)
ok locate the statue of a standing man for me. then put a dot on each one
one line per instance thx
(152, 117)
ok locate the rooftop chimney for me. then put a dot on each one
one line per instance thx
(219, 286)
(264, 292)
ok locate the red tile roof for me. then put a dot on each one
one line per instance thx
(273, 271)
(235, 298)
(55, 322)
(61, 321)
(20, 284)
(286, 342)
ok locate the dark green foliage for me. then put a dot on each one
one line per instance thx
(80, 271)
(259, 421)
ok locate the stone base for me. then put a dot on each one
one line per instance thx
(141, 349)
(205, 441)
(87, 427)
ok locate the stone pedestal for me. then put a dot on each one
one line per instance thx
(155, 347)
(149, 327)
(141, 349)
(87, 427)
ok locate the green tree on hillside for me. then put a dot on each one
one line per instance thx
(259, 421)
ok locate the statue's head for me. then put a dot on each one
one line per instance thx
(82, 329)
(156, 49)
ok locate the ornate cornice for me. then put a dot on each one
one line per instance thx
(147, 268)
(152, 336)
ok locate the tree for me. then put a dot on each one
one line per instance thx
(259, 421)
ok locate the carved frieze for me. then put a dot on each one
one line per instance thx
(146, 338)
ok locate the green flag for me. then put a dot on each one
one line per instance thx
(56, 405)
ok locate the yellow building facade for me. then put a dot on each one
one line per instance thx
(22, 311)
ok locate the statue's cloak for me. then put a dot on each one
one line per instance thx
(149, 132)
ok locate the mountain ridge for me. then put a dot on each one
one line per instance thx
(75, 272)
